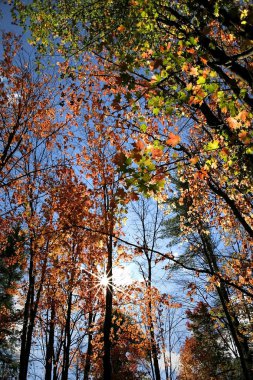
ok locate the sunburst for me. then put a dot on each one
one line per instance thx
(102, 281)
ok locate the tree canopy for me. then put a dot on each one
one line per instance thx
(127, 142)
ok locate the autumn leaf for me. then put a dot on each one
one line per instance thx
(194, 71)
(173, 139)
(121, 193)
(233, 123)
(201, 174)
(242, 115)
(119, 158)
(194, 160)
(134, 196)
(213, 145)
(140, 145)
(121, 28)
(156, 152)
(204, 60)
(245, 137)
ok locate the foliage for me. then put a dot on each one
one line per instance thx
(147, 91)
(129, 349)
(11, 259)
(203, 355)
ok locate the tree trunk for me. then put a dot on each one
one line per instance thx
(151, 324)
(67, 340)
(240, 340)
(50, 345)
(108, 315)
(30, 312)
(25, 344)
(89, 349)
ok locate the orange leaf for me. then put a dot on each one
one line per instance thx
(194, 160)
(156, 152)
(121, 28)
(140, 145)
(194, 71)
(191, 51)
(243, 115)
(244, 137)
(233, 123)
(203, 60)
(173, 139)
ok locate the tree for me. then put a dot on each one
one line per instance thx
(203, 356)
(10, 274)
(29, 130)
(106, 183)
(171, 86)
(190, 81)
(27, 112)
(203, 250)
(171, 332)
(129, 349)
(148, 233)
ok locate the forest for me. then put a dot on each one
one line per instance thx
(126, 183)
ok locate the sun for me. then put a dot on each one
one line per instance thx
(104, 281)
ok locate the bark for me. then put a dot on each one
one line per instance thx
(24, 351)
(57, 356)
(30, 312)
(166, 367)
(107, 364)
(50, 345)
(89, 349)
(67, 340)
(154, 352)
(151, 325)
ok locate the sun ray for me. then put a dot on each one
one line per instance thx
(103, 281)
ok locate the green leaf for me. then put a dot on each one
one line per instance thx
(143, 127)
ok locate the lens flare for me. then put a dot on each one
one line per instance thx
(101, 282)
(104, 281)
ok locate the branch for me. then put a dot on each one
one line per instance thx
(168, 256)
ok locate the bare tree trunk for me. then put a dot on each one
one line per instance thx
(151, 324)
(57, 356)
(89, 349)
(108, 316)
(151, 365)
(25, 346)
(30, 312)
(166, 367)
(50, 345)
(154, 352)
(67, 340)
